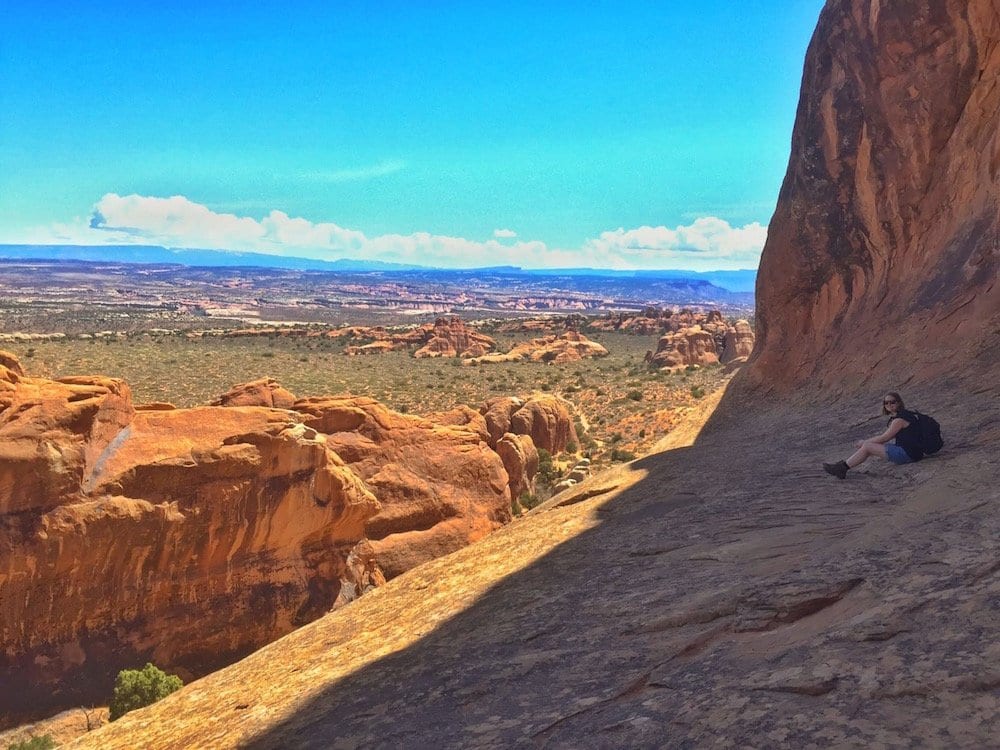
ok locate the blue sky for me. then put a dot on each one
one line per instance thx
(606, 134)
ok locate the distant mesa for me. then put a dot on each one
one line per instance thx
(272, 509)
(570, 346)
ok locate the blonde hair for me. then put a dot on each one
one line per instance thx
(899, 401)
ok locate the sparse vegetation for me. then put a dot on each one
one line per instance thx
(191, 371)
(136, 688)
(42, 742)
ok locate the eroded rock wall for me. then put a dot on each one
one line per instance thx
(190, 537)
(882, 255)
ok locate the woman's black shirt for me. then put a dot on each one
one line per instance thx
(908, 438)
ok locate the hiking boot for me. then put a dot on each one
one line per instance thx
(838, 469)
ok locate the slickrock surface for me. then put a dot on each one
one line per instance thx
(889, 216)
(570, 346)
(768, 605)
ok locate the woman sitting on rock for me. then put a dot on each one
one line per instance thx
(902, 426)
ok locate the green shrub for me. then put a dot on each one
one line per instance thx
(528, 501)
(547, 473)
(634, 395)
(617, 454)
(136, 688)
(571, 447)
(697, 391)
(42, 742)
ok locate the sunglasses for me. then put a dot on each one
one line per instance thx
(890, 401)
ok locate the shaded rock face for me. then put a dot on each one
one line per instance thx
(688, 346)
(889, 215)
(263, 392)
(440, 485)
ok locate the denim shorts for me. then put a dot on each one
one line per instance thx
(897, 455)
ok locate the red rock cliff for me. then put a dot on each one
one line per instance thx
(190, 537)
(882, 255)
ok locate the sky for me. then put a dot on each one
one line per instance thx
(457, 134)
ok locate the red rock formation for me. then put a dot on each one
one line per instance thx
(739, 341)
(547, 420)
(445, 337)
(450, 337)
(520, 459)
(571, 346)
(187, 537)
(263, 392)
(191, 536)
(52, 434)
(688, 346)
(889, 215)
(440, 486)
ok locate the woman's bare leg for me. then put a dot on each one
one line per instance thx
(868, 448)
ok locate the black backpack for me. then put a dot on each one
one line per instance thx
(930, 433)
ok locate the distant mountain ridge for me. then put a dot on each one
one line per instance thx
(739, 281)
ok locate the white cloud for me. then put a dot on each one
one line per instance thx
(708, 243)
(358, 173)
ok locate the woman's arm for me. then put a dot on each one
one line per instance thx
(894, 427)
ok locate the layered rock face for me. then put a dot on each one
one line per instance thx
(190, 537)
(186, 536)
(889, 216)
(440, 485)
